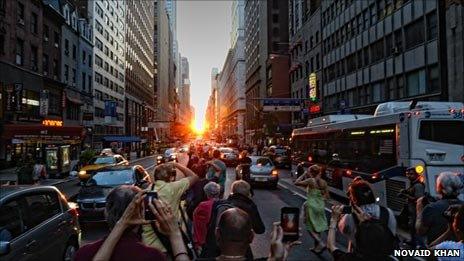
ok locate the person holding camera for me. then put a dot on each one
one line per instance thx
(315, 219)
(360, 194)
(124, 216)
(412, 194)
(456, 215)
(170, 191)
(431, 221)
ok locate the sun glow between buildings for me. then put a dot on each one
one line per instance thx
(198, 126)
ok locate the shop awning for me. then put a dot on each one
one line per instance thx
(36, 131)
(122, 138)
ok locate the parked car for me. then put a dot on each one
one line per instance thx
(260, 171)
(229, 156)
(281, 158)
(91, 199)
(36, 223)
(99, 162)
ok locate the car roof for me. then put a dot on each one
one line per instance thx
(118, 167)
(11, 190)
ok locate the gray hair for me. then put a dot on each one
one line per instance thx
(449, 184)
(212, 189)
(241, 187)
(117, 201)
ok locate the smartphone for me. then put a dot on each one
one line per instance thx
(149, 196)
(289, 220)
(347, 210)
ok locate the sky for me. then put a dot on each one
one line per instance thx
(203, 34)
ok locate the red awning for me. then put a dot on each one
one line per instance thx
(12, 130)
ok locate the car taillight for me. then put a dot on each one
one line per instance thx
(310, 159)
(348, 173)
(275, 173)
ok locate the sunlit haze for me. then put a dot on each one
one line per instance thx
(204, 38)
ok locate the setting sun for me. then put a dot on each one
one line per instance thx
(197, 126)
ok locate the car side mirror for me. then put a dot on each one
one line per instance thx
(5, 248)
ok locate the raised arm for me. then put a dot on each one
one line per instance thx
(189, 174)
(302, 181)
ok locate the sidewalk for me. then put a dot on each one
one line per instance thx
(10, 175)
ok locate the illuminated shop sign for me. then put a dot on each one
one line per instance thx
(53, 123)
(381, 131)
(357, 132)
(315, 108)
(312, 81)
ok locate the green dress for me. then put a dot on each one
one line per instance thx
(316, 220)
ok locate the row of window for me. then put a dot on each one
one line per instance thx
(101, 129)
(387, 46)
(108, 83)
(415, 83)
(298, 50)
(312, 65)
(414, 33)
(100, 96)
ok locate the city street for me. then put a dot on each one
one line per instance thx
(269, 203)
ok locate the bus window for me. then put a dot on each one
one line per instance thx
(448, 131)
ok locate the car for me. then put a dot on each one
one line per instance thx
(261, 171)
(229, 156)
(99, 162)
(107, 152)
(91, 199)
(301, 168)
(169, 155)
(281, 158)
(37, 223)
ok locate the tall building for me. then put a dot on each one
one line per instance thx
(266, 57)
(184, 93)
(305, 58)
(232, 81)
(140, 93)
(454, 35)
(108, 19)
(164, 111)
(77, 68)
(377, 51)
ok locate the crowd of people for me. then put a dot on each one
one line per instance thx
(194, 219)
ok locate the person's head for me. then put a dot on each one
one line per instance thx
(360, 193)
(234, 231)
(449, 184)
(241, 187)
(212, 190)
(458, 223)
(314, 171)
(411, 174)
(117, 201)
(164, 172)
(216, 154)
(244, 154)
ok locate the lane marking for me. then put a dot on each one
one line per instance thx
(300, 195)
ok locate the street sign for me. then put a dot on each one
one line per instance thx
(281, 105)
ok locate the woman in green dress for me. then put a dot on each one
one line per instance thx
(315, 218)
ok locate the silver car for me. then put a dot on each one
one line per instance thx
(263, 171)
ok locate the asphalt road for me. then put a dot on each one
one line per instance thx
(269, 203)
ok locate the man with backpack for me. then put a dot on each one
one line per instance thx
(241, 199)
(361, 195)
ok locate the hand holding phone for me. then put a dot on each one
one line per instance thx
(289, 220)
(149, 197)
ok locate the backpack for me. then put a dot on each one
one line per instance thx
(390, 242)
(211, 249)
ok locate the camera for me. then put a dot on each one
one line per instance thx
(149, 197)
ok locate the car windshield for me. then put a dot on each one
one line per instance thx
(112, 178)
(102, 160)
(262, 161)
(170, 151)
(282, 152)
(226, 150)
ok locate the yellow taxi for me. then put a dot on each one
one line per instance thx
(99, 162)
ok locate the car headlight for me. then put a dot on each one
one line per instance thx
(159, 157)
(82, 172)
(173, 156)
(275, 173)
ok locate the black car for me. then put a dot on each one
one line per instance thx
(281, 158)
(36, 223)
(92, 196)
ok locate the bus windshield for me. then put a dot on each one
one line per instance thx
(444, 131)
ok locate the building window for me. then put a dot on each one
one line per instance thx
(56, 38)
(432, 30)
(400, 86)
(54, 107)
(391, 95)
(98, 78)
(34, 23)
(45, 32)
(414, 34)
(34, 57)
(366, 56)
(433, 79)
(45, 64)
(74, 52)
(72, 112)
(2, 43)
(56, 70)
(98, 61)
(318, 64)
(74, 76)
(388, 45)
(83, 81)
(377, 51)
(398, 42)
(19, 51)
(351, 63)
(20, 13)
(416, 83)
(89, 83)
(377, 91)
(275, 18)
(84, 57)
(66, 73)
(366, 19)
(359, 59)
(90, 61)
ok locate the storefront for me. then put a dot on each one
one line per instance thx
(52, 143)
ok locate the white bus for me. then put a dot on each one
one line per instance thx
(379, 147)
